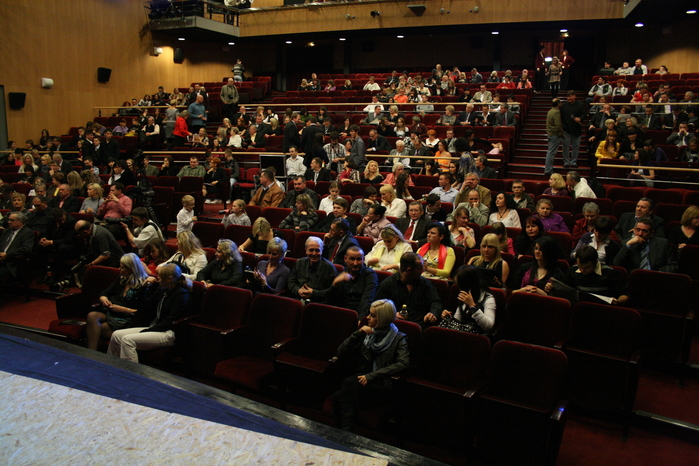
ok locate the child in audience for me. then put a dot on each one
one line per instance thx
(237, 215)
(186, 217)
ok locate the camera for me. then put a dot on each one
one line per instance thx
(116, 221)
(84, 260)
(58, 286)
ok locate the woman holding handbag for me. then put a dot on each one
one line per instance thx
(475, 310)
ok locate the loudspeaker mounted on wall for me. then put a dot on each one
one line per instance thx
(46, 83)
(103, 74)
(17, 100)
(178, 57)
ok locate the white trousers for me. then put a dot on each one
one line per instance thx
(126, 342)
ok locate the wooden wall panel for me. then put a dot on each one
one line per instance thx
(68, 41)
(395, 14)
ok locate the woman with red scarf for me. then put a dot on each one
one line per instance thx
(437, 253)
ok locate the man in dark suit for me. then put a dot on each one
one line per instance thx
(122, 174)
(468, 117)
(651, 120)
(307, 137)
(627, 221)
(40, 216)
(377, 142)
(672, 120)
(355, 288)
(240, 114)
(486, 118)
(482, 169)
(317, 173)
(17, 241)
(65, 200)
(414, 227)
(291, 134)
(505, 117)
(58, 245)
(59, 145)
(108, 148)
(262, 128)
(337, 241)
(328, 127)
(65, 166)
(645, 251)
(254, 138)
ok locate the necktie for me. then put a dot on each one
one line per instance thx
(332, 256)
(645, 263)
(409, 231)
(6, 242)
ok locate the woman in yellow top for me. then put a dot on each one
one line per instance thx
(386, 254)
(437, 253)
(609, 147)
(442, 152)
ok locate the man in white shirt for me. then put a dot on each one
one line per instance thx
(374, 103)
(579, 185)
(294, 164)
(445, 191)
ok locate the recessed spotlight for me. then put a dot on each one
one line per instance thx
(691, 12)
(495, 33)
(180, 38)
(564, 30)
(400, 37)
(231, 43)
(288, 41)
(342, 38)
(639, 25)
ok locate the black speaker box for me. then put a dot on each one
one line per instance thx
(179, 56)
(17, 100)
(103, 74)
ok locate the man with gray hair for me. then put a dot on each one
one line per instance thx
(17, 241)
(578, 185)
(313, 275)
(399, 154)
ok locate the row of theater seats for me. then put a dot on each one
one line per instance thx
(272, 346)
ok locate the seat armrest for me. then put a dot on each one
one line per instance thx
(283, 345)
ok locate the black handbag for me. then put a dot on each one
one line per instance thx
(453, 324)
(181, 263)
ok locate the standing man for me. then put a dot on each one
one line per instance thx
(197, 114)
(358, 149)
(291, 133)
(566, 62)
(572, 113)
(230, 97)
(554, 129)
(540, 65)
(238, 70)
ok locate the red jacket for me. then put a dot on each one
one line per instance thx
(181, 128)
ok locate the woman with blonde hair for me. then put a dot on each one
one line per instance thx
(557, 186)
(303, 215)
(276, 130)
(383, 352)
(491, 261)
(226, 269)
(386, 254)
(27, 161)
(686, 232)
(120, 301)
(262, 234)
(94, 199)
(371, 173)
(271, 275)
(190, 257)
(236, 215)
(395, 207)
(75, 182)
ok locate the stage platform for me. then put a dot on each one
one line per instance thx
(65, 405)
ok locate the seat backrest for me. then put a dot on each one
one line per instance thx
(96, 280)
(237, 233)
(323, 329)
(225, 306)
(609, 330)
(526, 373)
(208, 233)
(275, 215)
(271, 319)
(535, 319)
(450, 357)
(688, 261)
(646, 291)
(413, 333)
